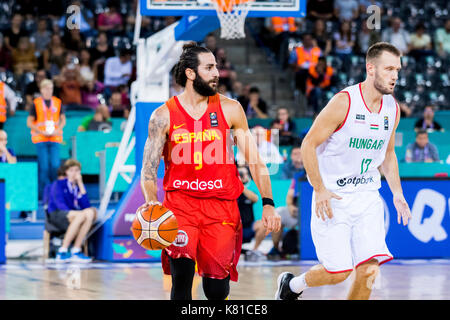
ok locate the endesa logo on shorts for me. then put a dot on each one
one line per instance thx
(354, 180)
(198, 185)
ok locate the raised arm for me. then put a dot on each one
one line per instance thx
(158, 129)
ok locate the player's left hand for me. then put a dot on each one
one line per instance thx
(403, 211)
(271, 219)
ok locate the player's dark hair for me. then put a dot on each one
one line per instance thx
(188, 59)
(378, 48)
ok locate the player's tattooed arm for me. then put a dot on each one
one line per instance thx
(158, 128)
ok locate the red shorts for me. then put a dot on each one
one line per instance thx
(209, 232)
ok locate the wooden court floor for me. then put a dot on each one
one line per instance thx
(404, 280)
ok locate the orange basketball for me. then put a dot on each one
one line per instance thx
(154, 228)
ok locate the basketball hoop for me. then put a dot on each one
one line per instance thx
(232, 14)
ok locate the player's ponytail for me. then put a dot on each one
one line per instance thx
(188, 59)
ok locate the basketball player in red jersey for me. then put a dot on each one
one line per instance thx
(201, 182)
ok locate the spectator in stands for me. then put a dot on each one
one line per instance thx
(442, 40)
(102, 51)
(7, 155)
(211, 42)
(70, 211)
(222, 89)
(226, 73)
(365, 38)
(46, 121)
(294, 166)
(69, 81)
(24, 59)
(320, 9)
(397, 35)
(91, 92)
(5, 56)
(118, 70)
(250, 228)
(421, 150)
(254, 106)
(236, 91)
(55, 55)
(420, 44)
(344, 41)
(268, 151)
(86, 71)
(110, 20)
(302, 58)
(98, 121)
(321, 37)
(8, 100)
(287, 128)
(42, 37)
(73, 40)
(319, 79)
(346, 10)
(32, 90)
(15, 32)
(427, 122)
(117, 109)
(283, 28)
(365, 4)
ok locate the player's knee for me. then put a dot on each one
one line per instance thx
(369, 269)
(339, 277)
(216, 289)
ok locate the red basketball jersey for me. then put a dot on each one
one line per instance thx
(198, 155)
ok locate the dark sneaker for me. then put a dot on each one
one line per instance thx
(284, 292)
(274, 254)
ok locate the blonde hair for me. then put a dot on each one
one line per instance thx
(45, 83)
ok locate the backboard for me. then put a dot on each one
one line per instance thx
(258, 8)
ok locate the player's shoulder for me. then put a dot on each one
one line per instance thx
(340, 102)
(229, 103)
(160, 116)
(161, 112)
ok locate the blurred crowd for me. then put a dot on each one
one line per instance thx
(89, 57)
(326, 50)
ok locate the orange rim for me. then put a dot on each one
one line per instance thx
(227, 5)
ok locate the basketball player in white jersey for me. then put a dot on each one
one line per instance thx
(350, 141)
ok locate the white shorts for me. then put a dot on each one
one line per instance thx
(355, 234)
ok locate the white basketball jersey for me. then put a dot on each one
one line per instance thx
(349, 159)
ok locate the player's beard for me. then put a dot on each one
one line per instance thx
(204, 88)
(378, 84)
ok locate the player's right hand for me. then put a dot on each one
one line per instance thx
(148, 204)
(323, 203)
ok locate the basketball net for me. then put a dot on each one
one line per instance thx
(232, 14)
